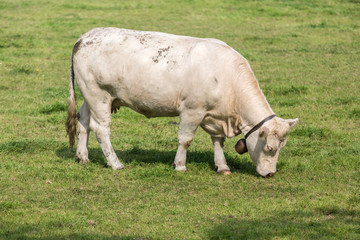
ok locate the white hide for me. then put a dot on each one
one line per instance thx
(204, 81)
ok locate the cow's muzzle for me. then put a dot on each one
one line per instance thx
(240, 146)
(269, 175)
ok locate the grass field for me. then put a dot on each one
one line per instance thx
(306, 55)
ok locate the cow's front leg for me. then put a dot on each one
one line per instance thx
(189, 122)
(219, 157)
(100, 124)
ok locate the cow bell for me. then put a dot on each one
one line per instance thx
(240, 146)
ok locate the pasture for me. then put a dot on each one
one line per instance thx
(306, 56)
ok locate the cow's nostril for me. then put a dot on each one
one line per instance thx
(270, 174)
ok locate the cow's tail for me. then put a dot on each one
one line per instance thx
(71, 118)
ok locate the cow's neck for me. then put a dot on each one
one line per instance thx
(252, 118)
(252, 105)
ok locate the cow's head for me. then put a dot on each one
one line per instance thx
(265, 143)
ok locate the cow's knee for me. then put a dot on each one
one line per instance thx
(185, 143)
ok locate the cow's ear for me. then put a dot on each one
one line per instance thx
(263, 132)
(292, 122)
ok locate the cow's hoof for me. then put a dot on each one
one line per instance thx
(116, 166)
(82, 160)
(180, 168)
(225, 172)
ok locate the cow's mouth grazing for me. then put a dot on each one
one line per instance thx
(269, 175)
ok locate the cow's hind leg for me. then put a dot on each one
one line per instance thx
(82, 154)
(189, 122)
(219, 157)
(100, 120)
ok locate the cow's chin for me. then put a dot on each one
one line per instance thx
(265, 172)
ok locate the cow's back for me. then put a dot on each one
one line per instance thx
(156, 74)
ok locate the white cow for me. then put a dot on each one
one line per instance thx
(204, 81)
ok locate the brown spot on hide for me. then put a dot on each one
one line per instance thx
(164, 49)
(143, 38)
(162, 53)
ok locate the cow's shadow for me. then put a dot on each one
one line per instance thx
(239, 164)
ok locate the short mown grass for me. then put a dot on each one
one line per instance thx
(306, 56)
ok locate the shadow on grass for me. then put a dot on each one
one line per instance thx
(70, 236)
(136, 154)
(319, 223)
(316, 224)
(30, 231)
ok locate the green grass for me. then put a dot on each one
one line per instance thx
(306, 55)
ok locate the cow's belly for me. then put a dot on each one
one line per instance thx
(152, 97)
(150, 107)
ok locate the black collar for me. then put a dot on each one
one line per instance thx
(257, 126)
